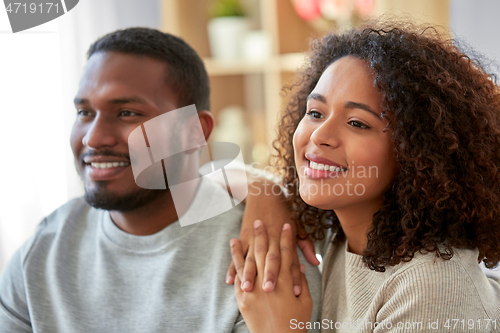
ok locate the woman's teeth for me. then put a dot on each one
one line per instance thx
(326, 167)
(107, 165)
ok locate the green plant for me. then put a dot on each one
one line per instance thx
(223, 8)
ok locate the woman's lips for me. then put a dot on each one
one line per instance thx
(322, 174)
(320, 159)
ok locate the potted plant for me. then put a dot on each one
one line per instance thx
(226, 29)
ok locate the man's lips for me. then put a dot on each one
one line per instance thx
(95, 172)
(104, 167)
(104, 159)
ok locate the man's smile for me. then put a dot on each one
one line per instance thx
(104, 167)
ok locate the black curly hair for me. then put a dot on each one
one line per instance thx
(444, 114)
(186, 73)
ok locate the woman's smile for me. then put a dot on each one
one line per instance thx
(343, 155)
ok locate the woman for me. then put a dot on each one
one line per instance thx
(395, 136)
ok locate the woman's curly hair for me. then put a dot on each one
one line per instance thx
(444, 115)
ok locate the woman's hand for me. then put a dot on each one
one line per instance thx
(272, 311)
(266, 202)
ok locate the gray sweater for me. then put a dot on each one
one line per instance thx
(81, 273)
(426, 294)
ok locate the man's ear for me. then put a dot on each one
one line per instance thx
(207, 123)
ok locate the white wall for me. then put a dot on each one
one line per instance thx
(478, 23)
(39, 72)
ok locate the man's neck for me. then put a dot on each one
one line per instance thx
(156, 215)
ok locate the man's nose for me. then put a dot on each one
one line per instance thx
(101, 133)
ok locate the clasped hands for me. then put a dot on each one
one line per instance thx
(270, 285)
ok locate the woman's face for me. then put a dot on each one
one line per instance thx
(343, 157)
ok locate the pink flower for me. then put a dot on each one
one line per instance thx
(337, 9)
(365, 8)
(307, 10)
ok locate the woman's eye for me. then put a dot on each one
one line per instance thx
(358, 124)
(314, 114)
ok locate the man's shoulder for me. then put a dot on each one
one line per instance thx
(67, 216)
(70, 212)
(72, 207)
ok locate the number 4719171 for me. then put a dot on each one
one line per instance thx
(470, 324)
(19, 7)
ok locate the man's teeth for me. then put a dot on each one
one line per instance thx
(326, 167)
(106, 165)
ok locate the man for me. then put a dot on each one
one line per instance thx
(118, 260)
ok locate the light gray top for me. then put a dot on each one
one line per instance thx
(426, 294)
(81, 273)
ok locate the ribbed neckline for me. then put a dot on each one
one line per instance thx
(163, 238)
(353, 259)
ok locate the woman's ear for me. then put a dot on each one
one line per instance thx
(207, 123)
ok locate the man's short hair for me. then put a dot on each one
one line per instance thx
(186, 73)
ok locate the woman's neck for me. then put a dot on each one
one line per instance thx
(355, 222)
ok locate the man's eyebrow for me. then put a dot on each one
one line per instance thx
(354, 105)
(127, 100)
(121, 100)
(317, 97)
(80, 101)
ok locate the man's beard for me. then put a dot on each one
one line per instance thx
(153, 178)
(99, 197)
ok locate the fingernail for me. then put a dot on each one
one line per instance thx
(229, 280)
(246, 286)
(296, 290)
(286, 226)
(232, 242)
(302, 268)
(268, 286)
(257, 224)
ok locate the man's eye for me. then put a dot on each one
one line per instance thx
(127, 113)
(314, 114)
(358, 124)
(83, 113)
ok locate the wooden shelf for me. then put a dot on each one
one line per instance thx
(283, 63)
(256, 86)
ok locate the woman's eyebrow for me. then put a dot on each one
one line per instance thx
(317, 97)
(355, 105)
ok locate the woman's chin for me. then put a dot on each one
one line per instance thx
(317, 200)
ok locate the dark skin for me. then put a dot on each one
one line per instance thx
(271, 210)
(118, 92)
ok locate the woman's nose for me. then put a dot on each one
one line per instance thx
(327, 134)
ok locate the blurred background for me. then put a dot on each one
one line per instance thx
(251, 48)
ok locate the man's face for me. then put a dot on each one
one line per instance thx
(117, 93)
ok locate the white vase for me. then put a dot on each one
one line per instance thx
(225, 35)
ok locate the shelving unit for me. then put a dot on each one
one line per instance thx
(256, 87)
